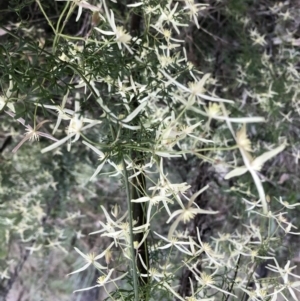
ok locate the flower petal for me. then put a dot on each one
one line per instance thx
(86, 289)
(97, 171)
(236, 172)
(135, 112)
(96, 150)
(258, 162)
(81, 269)
(57, 144)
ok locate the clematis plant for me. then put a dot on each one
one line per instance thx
(152, 105)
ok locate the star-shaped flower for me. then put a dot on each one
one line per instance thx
(32, 133)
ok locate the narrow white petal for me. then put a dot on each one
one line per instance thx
(10, 106)
(98, 266)
(79, 13)
(81, 269)
(236, 172)
(85, 4)
(21, 143)
(161, 236)
(257, 181)
(195, 195)
(241, 119)
(57, 124)
(201, 139)
(90, 125)
(260, 190)
(97, 171)
(135, 112)
(253, 119)
(108, 219)
(47, 136)
(135, 4)
(80, 253)
(131, 127)
(86, 289)
(104, 252)
(112, 21)
(202, 211)
(141, 200)
(108, 33)
(97, 151)
(167, 246)
(165, 154)
(171, 289)
(57, 144)
(118, 278)
(176, 212)
(259, 161)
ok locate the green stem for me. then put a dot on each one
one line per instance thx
(57, 31)
(130, 217)
(45, 15)
(132, 253)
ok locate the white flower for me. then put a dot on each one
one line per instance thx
(284, 273)
(287, 205)
(257, 163)
(121, 36)
(193, 10)
(207, 280)
(91, 259)
(188, 213)
(253, 204)
(196, 89)
(257, 38)
(32, 133)
(168, 16)
(4, 274)
(102, 280)
(153, 201)
(206, 248)
(75, 128)
(110, 225)
(153, 273)
(173, 242)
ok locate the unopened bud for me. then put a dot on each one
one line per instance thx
(95, 19)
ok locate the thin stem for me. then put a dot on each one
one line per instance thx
(135, 279)
(107, 292)
(130, 217)
(57, 31)
(34, 117)
(45, 15)
(234, 278)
